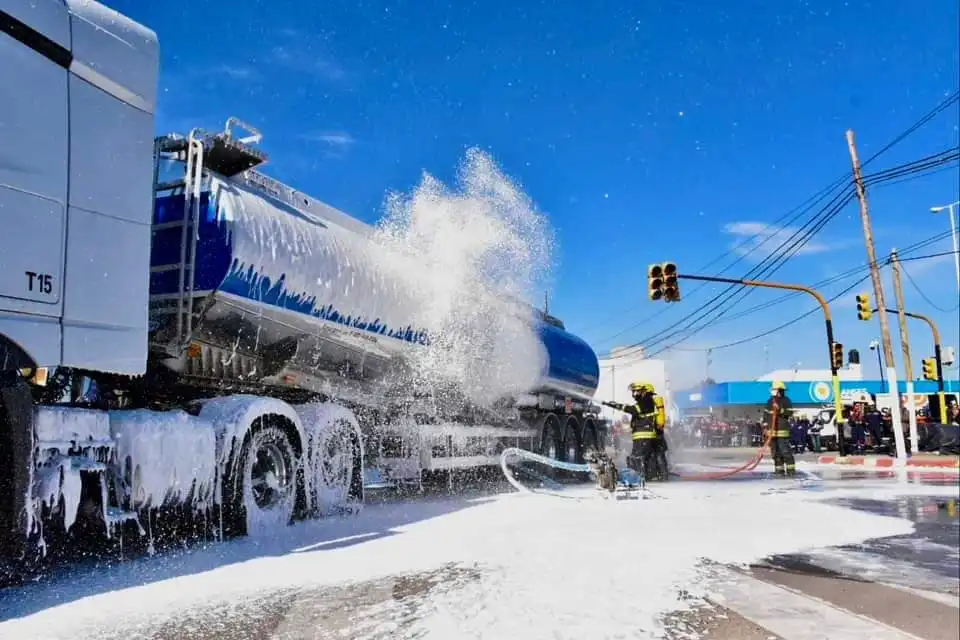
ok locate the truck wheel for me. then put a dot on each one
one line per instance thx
(573, 446)
(333, 466)
(267, 469)
(590, 440)
(551, 443)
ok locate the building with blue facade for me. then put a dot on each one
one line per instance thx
(742, 399)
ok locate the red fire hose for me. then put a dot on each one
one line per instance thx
(750, 465)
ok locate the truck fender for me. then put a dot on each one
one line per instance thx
(232, 418)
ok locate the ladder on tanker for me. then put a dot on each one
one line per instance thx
(201, 152)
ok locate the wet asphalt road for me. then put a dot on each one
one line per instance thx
(904, 584)
(908, 584)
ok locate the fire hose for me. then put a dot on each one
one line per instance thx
(515, 454)
(750, 465)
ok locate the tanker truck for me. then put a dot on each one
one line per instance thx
(180, 332)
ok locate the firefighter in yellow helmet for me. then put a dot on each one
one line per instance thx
(776, 417)
(643, 416)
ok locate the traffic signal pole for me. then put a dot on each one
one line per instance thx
(905, 346)
(878, 294)
(831, 345)
(937, 354)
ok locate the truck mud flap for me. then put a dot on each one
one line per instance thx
(16, 437)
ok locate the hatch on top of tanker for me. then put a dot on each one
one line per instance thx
(222, 153)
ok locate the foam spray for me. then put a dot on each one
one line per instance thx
(480, 248)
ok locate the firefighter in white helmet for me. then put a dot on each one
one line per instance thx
(777, 414)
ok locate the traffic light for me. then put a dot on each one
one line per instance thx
(671, 284)
(655, 282)
(863, 307)
(836, 355)
(929, 368)
(662, 282)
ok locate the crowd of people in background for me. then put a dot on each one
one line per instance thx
(867, 430)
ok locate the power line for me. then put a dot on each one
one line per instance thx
(924, 296)
(929, 162)
(775, 329)
(688, 330)
(946, 103)
(929, 255)
(721, 298)
(759, 239)
(917, 176)
(691, 328)
(842, 276)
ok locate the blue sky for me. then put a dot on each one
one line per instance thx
(646, 131)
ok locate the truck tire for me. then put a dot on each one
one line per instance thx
(551, 440)
(572, 441)
(16, 438)
(264, 480)
(333, 467)
(591, 441)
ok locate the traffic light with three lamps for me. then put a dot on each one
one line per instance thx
(836, 355)
(864, 312)
(929, 368)
(655, 282)
(671, 283)
(662, 282)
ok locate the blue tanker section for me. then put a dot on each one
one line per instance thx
(571, 360)
(218, 270)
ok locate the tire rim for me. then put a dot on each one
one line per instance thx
(270, 477)
(572, 451)
(334, 469)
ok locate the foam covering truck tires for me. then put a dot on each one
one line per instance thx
(180, 334)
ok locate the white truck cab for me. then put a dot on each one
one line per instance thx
(75, 185)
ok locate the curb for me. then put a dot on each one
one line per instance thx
(947, 462)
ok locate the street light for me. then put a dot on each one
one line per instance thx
(953, 230)
(875, 346)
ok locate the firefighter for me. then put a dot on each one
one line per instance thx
(643, 414)
(660, 443)
(776, 416)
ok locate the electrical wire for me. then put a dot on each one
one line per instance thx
(924, 296)
(778, 327)
(694, 326)
(942, 106)
(759, 241)
(690, 330)
(843, 276)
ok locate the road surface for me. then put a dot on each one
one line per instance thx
(892, 587)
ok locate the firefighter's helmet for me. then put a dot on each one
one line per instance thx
(778, 386)
(636, 387)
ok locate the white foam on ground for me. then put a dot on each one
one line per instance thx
(536, 580)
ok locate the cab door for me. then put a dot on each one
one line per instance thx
(34, 143)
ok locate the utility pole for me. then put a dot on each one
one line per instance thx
(709, 362)
(878, 294)
(905, 345)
